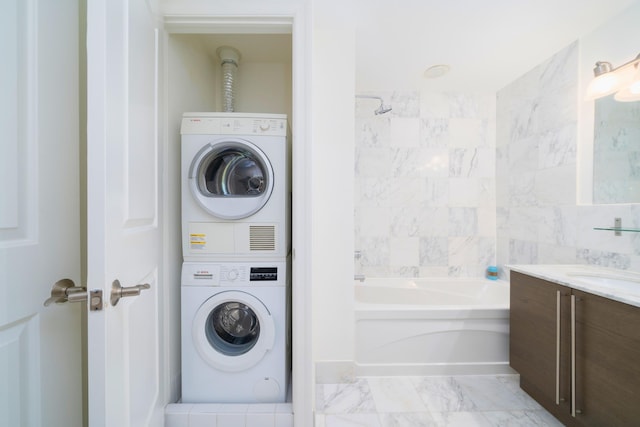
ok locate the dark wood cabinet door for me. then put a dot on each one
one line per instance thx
(533, 345)
(607, 361)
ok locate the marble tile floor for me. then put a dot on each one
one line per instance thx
(443, 401)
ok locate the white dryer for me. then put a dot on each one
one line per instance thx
(235, 186)
(235, 332)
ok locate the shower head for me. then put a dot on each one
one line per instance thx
(382, 108)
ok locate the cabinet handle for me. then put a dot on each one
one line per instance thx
(573, 356)
(557, 347)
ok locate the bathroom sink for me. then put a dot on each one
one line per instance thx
(619, 283)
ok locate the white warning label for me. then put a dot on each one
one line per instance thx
(198, 241)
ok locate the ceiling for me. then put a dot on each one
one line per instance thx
(487, 43)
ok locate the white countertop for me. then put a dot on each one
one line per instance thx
(623, 286)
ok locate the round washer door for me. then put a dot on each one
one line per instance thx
(231, 178)
(233, 330)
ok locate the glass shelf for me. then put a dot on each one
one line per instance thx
(619, 229)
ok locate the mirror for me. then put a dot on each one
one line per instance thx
(616, 151)
(609, 131)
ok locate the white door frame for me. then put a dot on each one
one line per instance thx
(299, 24)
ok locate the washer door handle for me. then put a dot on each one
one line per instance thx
(117, 291)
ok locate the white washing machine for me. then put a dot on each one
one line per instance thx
(235, 332)
(235, 186)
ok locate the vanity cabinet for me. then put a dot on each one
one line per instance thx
(539, 347)
(607, 361)
(577, 354)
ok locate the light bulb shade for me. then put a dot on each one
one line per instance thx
(603, 85)
(631, 92)
(610, 80)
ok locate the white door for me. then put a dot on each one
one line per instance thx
(124, 232)
(40, 347)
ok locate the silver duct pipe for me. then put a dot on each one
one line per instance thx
(229, 58)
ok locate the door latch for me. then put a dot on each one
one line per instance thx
(95, 301)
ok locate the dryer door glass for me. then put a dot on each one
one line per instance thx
(231, 179)
(232, 171)
(232, 328)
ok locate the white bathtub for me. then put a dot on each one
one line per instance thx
(434, 326)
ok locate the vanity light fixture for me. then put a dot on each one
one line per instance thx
(624, 81)
(632, 91)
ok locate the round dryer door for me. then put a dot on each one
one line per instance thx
(231, 179)
(233, 330)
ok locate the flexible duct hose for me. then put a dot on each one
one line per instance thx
(229, 69)
(230, 58)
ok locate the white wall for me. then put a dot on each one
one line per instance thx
(255, 95)
(332, 189)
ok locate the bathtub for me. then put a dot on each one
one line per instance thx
(432, 326)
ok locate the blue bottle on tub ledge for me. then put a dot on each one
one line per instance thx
(492, 272)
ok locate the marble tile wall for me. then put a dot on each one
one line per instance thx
(538, 218)
(446, 184)
(425, 185)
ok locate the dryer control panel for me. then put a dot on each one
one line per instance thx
(234, 274)
(234, 124)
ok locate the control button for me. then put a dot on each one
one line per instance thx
(232, 275)
(264, 126)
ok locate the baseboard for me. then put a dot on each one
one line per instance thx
(435, 369)
(335, 371)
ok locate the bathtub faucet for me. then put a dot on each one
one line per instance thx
(359, 277)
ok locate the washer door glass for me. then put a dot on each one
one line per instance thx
(231, 179)
(233, 328)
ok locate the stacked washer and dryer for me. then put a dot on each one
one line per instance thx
(236, 245)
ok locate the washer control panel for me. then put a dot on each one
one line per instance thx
(234, 274)
(263, 274)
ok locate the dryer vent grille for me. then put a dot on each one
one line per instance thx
(262, 238)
